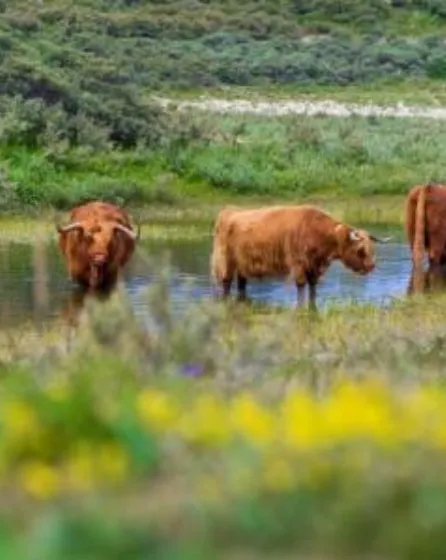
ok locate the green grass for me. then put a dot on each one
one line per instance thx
(242, 159)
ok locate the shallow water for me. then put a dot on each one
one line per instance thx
(34, 285)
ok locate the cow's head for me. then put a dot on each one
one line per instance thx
(99, 242)
(356, 248)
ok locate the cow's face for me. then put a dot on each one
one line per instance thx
(356, 249)
(98, 242)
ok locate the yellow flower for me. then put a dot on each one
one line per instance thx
(300, 419)
(20, 421)
(156, 410)
(358, 411)
(251, 421)
(205, 423)
(40, 480)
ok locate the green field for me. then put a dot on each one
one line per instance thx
(243, 159)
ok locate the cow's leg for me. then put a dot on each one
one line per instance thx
(241, 287)
(312, 285)
(312, 295)
(300, 279)
(226, 283)
(300, 293)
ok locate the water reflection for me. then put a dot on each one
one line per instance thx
(76, 300)
(34, 284)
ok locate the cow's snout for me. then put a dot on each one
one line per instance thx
(99, 259)
(369, 267)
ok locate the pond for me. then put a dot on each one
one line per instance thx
(34, 284)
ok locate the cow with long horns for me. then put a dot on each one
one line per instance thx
(97, 243)
(298, 242)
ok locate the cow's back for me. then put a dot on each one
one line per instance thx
(265, 241)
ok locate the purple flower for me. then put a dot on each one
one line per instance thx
(192, 369)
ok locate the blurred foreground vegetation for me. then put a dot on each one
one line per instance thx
(233, 431)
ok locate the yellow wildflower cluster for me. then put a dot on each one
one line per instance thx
(365, 412)
(299, 425)
(87, 468)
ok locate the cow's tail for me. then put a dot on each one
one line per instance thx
(219, 256)
(217, 264)
(420, 228)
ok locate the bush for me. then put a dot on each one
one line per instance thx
(95, 64)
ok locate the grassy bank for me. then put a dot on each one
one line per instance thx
(233, 431)
(208, 160)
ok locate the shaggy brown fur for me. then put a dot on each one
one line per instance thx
(97, 243)
(425, 215)
(285, 241)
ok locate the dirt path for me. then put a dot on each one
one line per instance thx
(288, 107)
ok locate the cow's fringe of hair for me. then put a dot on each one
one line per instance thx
(420, 228)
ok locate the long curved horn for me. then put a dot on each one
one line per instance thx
(138, 228)
(380, 240)
(127, 231)
(69, 227)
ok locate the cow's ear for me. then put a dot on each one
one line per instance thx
(354, 236)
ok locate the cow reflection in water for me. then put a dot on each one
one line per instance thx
(432, 280)
(77, 300)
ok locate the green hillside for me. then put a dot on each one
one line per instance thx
(96, 58)
(75, 81)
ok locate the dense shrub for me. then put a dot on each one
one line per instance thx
(88, 67)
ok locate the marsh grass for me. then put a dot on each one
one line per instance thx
(359, 168)
(303, 157)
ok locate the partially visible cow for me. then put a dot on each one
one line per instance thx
(298, 242)
(425, 221)
(97, 244)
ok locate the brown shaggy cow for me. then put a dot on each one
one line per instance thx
(298, 242)
(425, 214)
(97, 243)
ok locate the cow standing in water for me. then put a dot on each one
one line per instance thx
(97, 244)
(425, 221)
(299, 242)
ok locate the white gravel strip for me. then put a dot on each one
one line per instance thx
(328, 107)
